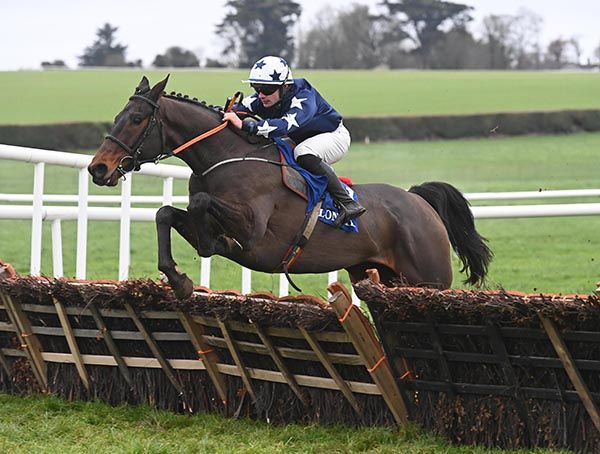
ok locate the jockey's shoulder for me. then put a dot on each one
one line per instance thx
(301, 84)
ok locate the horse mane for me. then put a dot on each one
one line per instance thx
(218, 110)
(185, 98)
(145, 88)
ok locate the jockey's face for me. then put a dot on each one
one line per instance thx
(269, 100)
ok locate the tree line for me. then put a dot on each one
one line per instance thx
(428, 34)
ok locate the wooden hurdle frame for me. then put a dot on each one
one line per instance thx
(357, 333)
(393, 367)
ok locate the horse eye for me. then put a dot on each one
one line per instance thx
(137, 119)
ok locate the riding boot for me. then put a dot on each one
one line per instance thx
(348, 207)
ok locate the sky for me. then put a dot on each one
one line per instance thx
(32, 31)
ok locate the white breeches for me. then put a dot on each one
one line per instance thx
(329, 146)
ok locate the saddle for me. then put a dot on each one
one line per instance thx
(293, 180)
(321, 211)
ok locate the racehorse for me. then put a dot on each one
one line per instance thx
(238, 207)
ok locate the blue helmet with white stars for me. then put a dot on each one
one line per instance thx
(270, 70)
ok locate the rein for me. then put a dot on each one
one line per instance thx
(134, 153)
(228, 106)
(197, 139)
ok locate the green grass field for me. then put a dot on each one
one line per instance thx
(532, 255)
(58, 96)
(38, 424)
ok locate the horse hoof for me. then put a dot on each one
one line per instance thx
(183, 288)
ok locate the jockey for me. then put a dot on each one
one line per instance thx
(292, 107)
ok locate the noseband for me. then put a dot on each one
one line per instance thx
(135, 153)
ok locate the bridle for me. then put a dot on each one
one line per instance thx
(134, 153)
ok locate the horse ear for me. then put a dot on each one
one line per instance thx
(144, 86)
(158, 89)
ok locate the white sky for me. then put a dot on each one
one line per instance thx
(32, 31)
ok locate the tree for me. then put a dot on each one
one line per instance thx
(176, 57)
(597, 54)
(497, 35)
(347, 39)
(214, 63)
(255, 28)
(104, 51)
(422, 21)
(54, 64)
(526, 39)
(457, 49)
(562, 52)
(513, 41)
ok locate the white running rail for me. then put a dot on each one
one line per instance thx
(38, 212)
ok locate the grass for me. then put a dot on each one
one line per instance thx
(45, 424)
(532, 255)
(60, 96)
(552, 255)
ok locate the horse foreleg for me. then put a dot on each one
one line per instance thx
(167, 217)
(229, 226)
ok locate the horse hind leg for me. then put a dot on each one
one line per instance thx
(387, 276)
(167, 217)
(437, 277)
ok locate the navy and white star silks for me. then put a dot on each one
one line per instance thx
(247, 103)
(302, 113)
(291, 120)
(264, 129)
(316, 188)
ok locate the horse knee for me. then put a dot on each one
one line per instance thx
(164, 215)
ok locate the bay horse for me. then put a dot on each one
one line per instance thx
(240, 209)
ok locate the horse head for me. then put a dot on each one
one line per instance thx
(135, 138)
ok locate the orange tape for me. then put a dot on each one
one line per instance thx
(377, 364)
(408, 373)
(345, 316)
(200, 137)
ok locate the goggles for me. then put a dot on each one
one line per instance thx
(265, 89)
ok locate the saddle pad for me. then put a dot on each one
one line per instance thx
(329, 212)
(312, 188)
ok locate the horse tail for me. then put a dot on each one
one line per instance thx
(453, 209)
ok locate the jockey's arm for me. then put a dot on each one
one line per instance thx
(232, 118)
(302, 109)
(244, 107)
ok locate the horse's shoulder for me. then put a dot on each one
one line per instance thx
(195, 184)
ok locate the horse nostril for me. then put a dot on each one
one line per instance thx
(97, 171)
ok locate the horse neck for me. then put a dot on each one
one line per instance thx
(183, 121)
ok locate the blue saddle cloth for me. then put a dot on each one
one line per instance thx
(317, 189)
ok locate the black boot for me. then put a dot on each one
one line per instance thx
(348, 207)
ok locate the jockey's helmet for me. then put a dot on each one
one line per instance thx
(270, 70)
